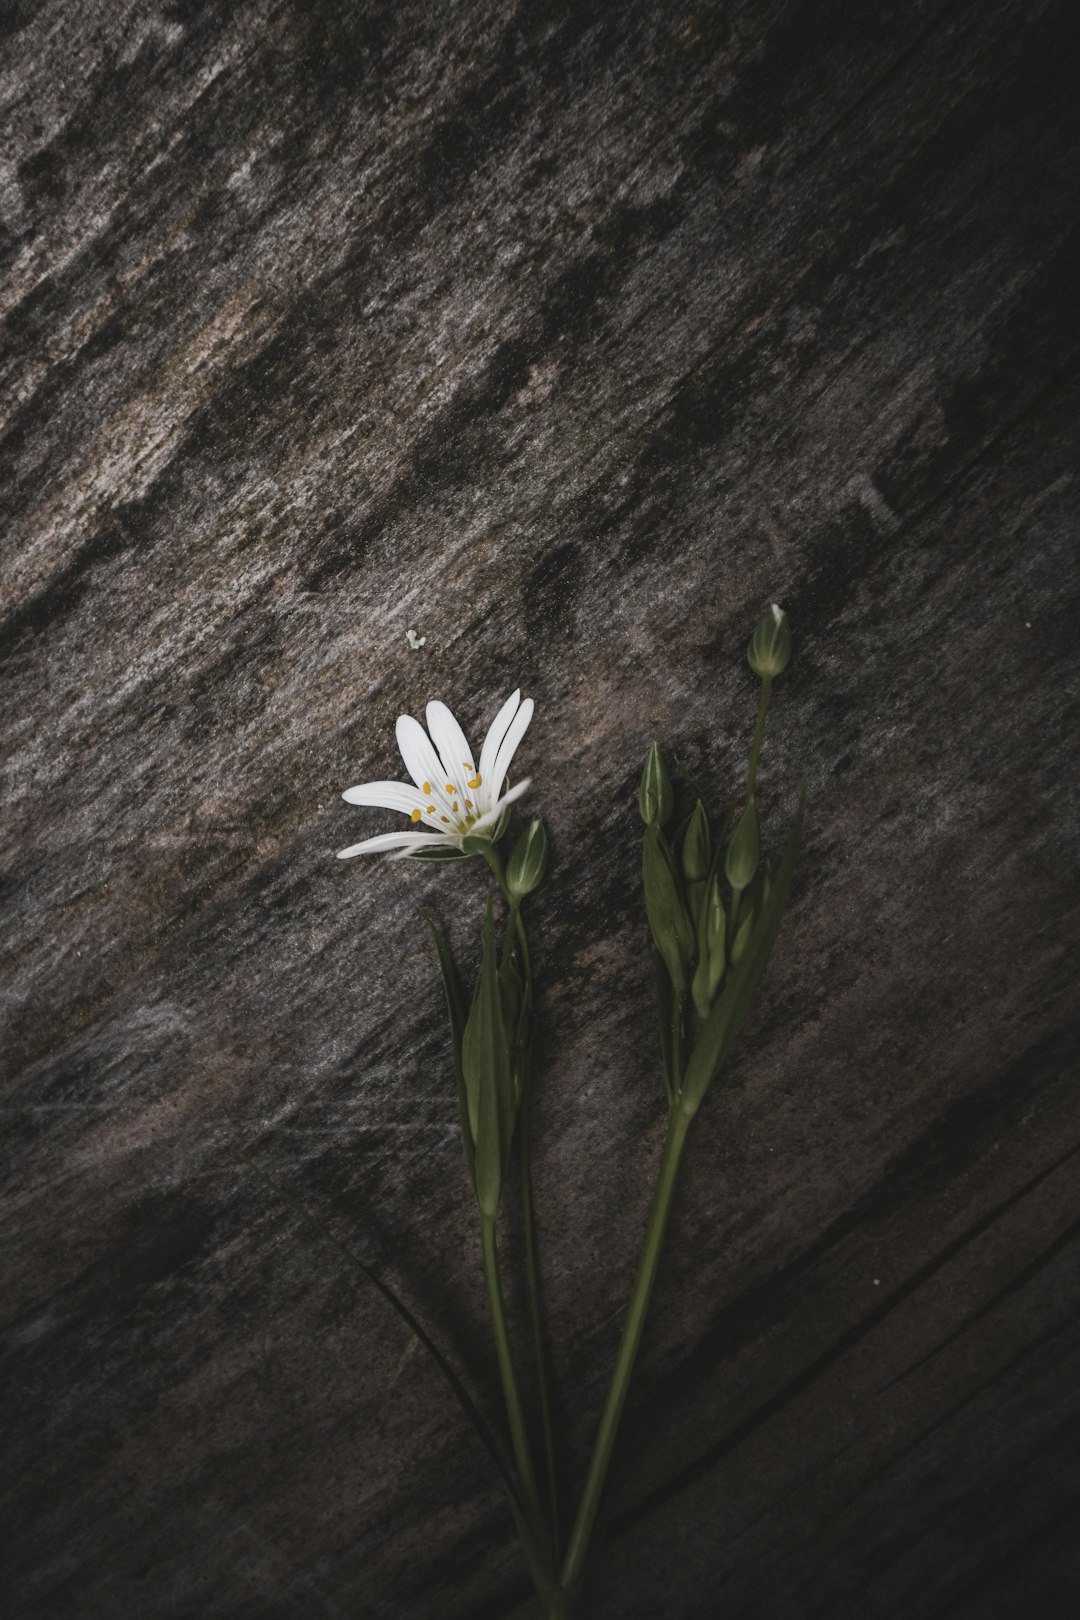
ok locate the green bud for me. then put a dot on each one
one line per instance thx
(743, 851)
(696, 850)
(666, 908)
(656, 801)
(528, 861)
(770, 644)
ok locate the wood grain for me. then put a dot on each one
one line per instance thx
(567, 336)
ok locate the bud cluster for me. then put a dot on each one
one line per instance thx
(708, 904)
(698, 933)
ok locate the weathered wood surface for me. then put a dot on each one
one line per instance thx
(567, 335)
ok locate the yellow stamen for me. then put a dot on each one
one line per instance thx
(426, 788)
(476, 782)
(431, 809)
(469, 804)
(454, 808)
(415, 816)
(446, 819)
(451, 789)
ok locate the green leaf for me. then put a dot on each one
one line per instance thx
(489, 1083)
(665, 908)
(455, 1007)
(464, 1399)
(724, 1022)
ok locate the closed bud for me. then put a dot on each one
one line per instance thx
(696, 851)
(770, 644)
(656, 801)
(743, 851)
(528, 861)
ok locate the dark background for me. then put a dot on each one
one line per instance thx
(568, 336)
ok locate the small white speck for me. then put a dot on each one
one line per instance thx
(877, 1282)
(415, 641)
(1027, 624)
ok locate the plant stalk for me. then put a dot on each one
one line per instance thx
(515, 1414)
(759, 734)
(532, 1277)
(578, 1548)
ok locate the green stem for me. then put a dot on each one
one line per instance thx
(759, 734)
(516, 927)
(532, 1277)
(512, 1396)
(577, 1551)
(678, 1003)
(528, 1222)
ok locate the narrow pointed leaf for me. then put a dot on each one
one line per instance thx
(669, 920)
(489, 1086)
(464, 1399)
(723, 1024)
(455, 1007)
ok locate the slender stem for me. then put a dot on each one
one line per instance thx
(528, 1222)
(532, 1277)
(515, 919)
(759, 733)
(677, 1005)
(516, 927)
(512, 1396)
(577, 1551)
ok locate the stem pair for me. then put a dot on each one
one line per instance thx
(545, 1525)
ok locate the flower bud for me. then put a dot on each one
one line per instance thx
(770, 644)
(656, 801)
(696, 852)
(742, 852)
(528, 861)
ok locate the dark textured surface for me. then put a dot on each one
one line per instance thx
(567, 335)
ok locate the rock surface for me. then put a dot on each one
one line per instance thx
(566, 336)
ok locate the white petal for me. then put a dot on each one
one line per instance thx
(486, 794)
(384, 796)
(421, 760)
(508, 746)
(491, 816)
(398, 840)
(449, 739)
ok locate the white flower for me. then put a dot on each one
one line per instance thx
(448, 792)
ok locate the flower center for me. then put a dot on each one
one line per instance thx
(460, 820)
